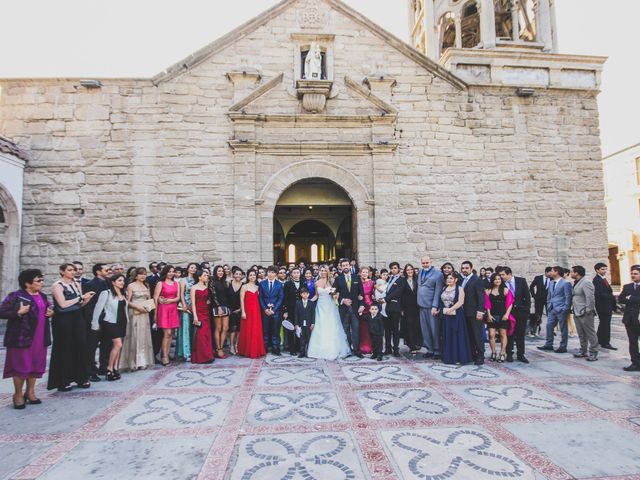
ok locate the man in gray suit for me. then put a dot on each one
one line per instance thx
(558, 307)
(430, 282)
(584, 311)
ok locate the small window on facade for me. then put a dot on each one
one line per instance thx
(314, 253)
(292, 253)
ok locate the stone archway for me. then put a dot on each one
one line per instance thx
(9, 243)
(280, 181)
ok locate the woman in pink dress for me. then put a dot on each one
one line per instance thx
(167, 296)
(368, 286)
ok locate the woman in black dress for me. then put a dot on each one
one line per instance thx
(111, 317)
(69, 352)
(236, 311)
(219, 296)
(410, 312)
(499, 302)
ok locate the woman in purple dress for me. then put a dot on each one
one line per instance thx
(27, 336)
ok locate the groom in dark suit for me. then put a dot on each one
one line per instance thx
(350, 299)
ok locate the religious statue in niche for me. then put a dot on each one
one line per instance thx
(313, 63)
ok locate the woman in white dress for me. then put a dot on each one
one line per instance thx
(328, 338)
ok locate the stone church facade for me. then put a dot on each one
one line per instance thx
(433, 155)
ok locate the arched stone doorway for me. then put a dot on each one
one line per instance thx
(314, 221)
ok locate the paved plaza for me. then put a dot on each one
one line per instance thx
(284, 417)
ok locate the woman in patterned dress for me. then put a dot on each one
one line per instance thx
(185, 332)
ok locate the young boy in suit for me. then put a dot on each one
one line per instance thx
(376, 331)
(305, 319)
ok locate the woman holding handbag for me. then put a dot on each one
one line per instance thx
(202, 342)
(137, 349)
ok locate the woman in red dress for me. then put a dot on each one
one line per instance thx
(202, 351)
(367, 286)
(251, 342)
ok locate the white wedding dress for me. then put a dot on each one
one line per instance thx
(328, 338)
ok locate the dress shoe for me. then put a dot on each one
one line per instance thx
(523, 359)
(277, 352)
(479, 362)
(65, 389)
(37, 401)
(427, 355)
(301, 355)
(510, 357)
(437, 356)
(396, 353)
(544, 347)
(95, 378)
(379, 358)
(359, 355)
(580, 355)
(592, 358)
(19, 406)
(560, 350)
(632, 368)
(608, 346)
(387, 352)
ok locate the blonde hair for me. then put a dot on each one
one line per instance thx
(326, 269)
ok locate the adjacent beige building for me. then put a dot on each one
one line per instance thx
(374, 149)
(622, 197)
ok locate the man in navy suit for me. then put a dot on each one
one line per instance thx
(474, 309)
(630, 298)
(271, 296)
(350, 298)
(521, 306)
(559, 300)
(605, 305)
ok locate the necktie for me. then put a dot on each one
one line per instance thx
(423, 275)
(349, 282)
(270, 286)
(546, 284)
(553, 287)
(606, 282)
(512, 287)
(304, 304)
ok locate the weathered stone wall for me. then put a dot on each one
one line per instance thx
(137, 172)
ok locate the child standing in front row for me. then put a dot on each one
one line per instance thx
(376, 331)
(305, 319)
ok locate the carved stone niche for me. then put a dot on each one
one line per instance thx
(314, 94)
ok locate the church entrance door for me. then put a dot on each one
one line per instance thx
(314, 221)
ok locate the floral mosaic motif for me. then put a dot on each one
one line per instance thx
(308, 406)
(196, 378)
(396, 403)
(379, 374)
(510, 399)
(453, 372)
(315, 459)
(292, 376)
(192, 412)
(289, 360)
(437, 457)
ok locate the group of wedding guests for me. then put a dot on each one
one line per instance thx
(317, 311)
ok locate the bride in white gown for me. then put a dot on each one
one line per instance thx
(328, 338)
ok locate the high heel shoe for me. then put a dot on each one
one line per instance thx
(502, 357)
(493, 357)
(221, 354)
(165, 362)
(19, 407)
(110, 376)
(117, 374)
(37, 401)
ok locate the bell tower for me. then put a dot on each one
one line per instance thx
(438, 25)
(499, 42)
